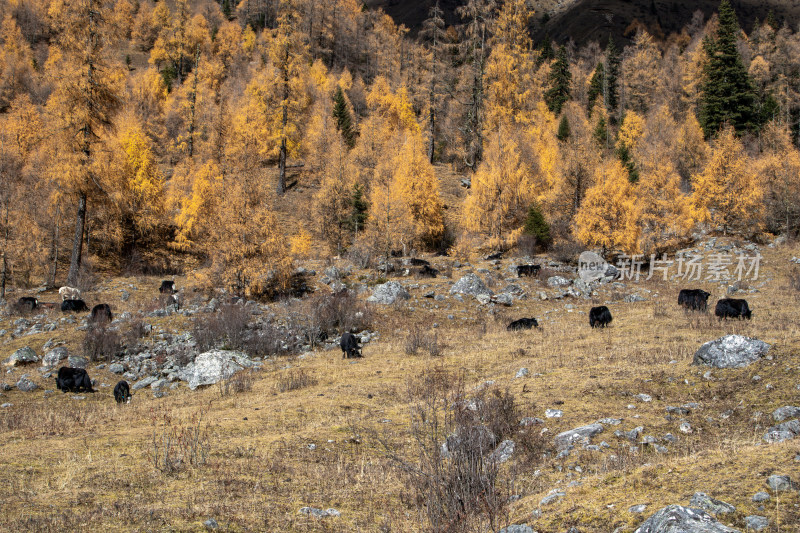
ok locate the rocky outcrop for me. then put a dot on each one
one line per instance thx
(730, 351)
(388, 293)
(679, 519)
(213, 366)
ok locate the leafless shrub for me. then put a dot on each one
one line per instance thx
(527, 245)
(239, 382)
(453, 473)
(176, 446)
(360, 254)
(227, 327)
(565, 251)
(659, 310)
(135, 332)
(419, 339)
(87, 279)
(295, 379)
(327, 315)
(794, 279)
(102, 343)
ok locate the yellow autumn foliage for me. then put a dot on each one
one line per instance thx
(727, 194)
(607, 217)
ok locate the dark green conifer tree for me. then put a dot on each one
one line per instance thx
(563, 129)
(727, 91)
(560, 79)
(342, 115)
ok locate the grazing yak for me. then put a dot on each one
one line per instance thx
(73, 380)
(349, 344)
(167, 287)
(732, 308)
(600, 317)
(122, 392)
(693, 299)
(528, 270)
(74, 305)
(69, 293)
(101, 313)
(495, 256)
(428, 272)
(27, 303)
(418, 262)
(523, 323)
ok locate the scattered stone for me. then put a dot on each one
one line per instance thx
(779, 483)
(212, 366)
(517, 528)
(55, 356)
(783, 431)
(678, 410)
(640, 508)
(143, 383)
(707, 503)
(504, 451)
(116, 368)
(788, 411)
(211, 523)
(756, 523)
(610, 421)
(685, 427)
(730, 351)
(471, 285)
(26, 385)
(644, 397)
(7, 405)
(76, 361)
(22, 356)
(633, 298)
(388, 293)
(553, 413)
(679, 519)
(503, 299)
(521, 373)
(760, 496)
(579, 434)
(552, 496)
(319, 513)
(530, 421)
(558, 281)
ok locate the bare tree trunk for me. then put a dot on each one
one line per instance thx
(284, 122)
(4, 275)
(55, 247)
(77, 242)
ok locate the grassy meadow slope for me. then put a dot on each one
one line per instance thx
(325, 432)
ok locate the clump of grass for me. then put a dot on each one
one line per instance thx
(176, 446)
(419, 339)
(237, 383)
(295, 379)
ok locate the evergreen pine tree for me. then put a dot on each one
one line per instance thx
(611, 77)
(624, 154)
(358, 216)
(563, 129)
(595, 87)
(344, 122)
(600, 133)
(560, 78)
(546, 50)
(537, 226)
(727, 91)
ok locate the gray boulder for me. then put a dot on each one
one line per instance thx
(55, 356)
(783, 431)
(504, 451)
(730, 351)
(787, 411)
(679, 519)
(553, 496)
(26, 385)
(213, 366)
(471, 285)
(76, 361)
(22, 356)
(319, 513)
(579, 434)
(756, 523)
(558, 281)
(779, 483)
(707, 503)
(517, 528)
(503, 299)
(143, 383)
(388, 293)
(116, 368)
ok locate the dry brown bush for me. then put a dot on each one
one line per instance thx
(295, 379)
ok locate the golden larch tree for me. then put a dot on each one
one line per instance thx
(607, 216)
(727, 194)
(664, 212)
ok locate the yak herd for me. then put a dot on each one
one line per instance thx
(77, 379)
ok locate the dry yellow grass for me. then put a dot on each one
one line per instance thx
(87, 465)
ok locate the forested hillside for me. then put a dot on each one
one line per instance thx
(234, 138)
